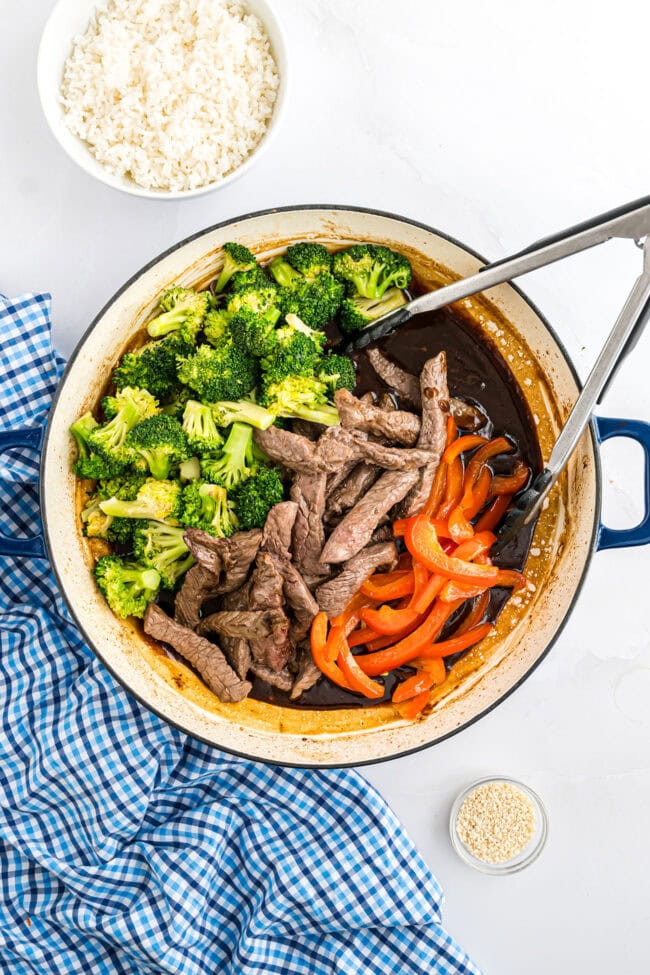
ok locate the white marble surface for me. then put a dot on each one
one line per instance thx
(498, 123)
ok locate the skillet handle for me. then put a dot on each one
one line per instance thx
(639, 430)
(33, 546)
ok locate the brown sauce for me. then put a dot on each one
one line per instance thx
(477, 373)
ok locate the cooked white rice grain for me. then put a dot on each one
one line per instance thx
(175, 94)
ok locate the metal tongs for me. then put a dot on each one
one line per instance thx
(631, 221)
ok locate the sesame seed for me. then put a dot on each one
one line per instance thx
(496, 822)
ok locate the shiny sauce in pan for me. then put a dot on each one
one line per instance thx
(478, 373)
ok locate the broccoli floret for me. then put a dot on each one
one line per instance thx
(298, 349)
(95, 523)
(153, 366)
(224, 372)
(337, 372)
(357, 312)
(121, 530)
(261, 299)
(235, 462)
(159, 441)
(207, 506)
(124, 486)
(80, 430)
(236, 258)
(254, 279)
(254, 497)
(369, 270)
(175, 404)
(132, 405)
(157, 500)
(316, 302)
(95, 466)
(126, 586)
(90, 465)
(314, 298)
(225, 413)
(200, 427)
(162, 548)
(300, 397)
(255, 333)
(309, 259)
(183, 312)
(217, 325)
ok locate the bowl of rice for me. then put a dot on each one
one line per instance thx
(165, 99)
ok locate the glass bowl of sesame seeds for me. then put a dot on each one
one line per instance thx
(498, 825)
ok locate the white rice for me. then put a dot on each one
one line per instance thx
(172, 93)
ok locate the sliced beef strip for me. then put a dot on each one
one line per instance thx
(238, 652)
(198, 584)
(308, 536)
(397, 426)
(404, 383)
(337, 478)
(433, 433)
(267, 592)
(308, 674)
(391, 458)
(247, 623)
(231, 558)
(407, 387)
(277, 531)
(335, 448)
(351, 489)
(281, 679)
(204, 656)
(355, 530)
(297, 594)
(296, 453)
(238, 599)
(333, 596)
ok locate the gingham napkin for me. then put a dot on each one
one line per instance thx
(128, 847)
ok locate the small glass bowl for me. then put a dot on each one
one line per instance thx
(529, 853)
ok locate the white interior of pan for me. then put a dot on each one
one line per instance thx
(560, 549)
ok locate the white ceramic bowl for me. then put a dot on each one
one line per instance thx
(71, 17)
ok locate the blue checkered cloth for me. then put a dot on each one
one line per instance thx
(126, 846)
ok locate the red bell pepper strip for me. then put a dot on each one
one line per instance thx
(433, 665)
(400, 526)
(459, 446)
(362, 636)
(457, 643)
(412, 686)
(511, 483)
(357, 680)
(452, 430)
(399, 584)
(452, 591)
(491, 518)
(481, 542)
(411, 709)
(437, 493)
(319, 649)
(351, 615)
(500, 445)
(422, 542)
(460, 528)
(453, 488)
(388, 621)
(388, 641)
(478, 495)
(409, 646)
